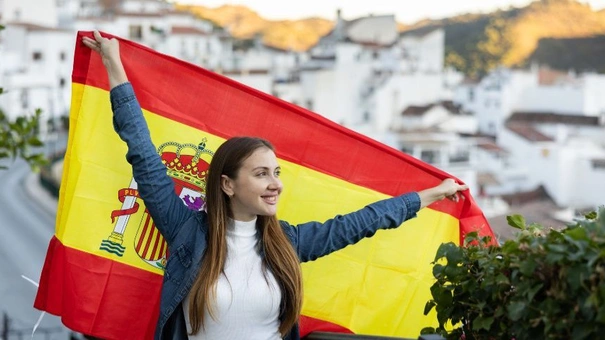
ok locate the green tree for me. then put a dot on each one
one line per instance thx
(492, 49)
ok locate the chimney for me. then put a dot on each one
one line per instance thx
(338, 27)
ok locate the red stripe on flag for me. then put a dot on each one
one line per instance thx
(309, 325)
(144, 232)
(154, 253)
(212, 103)
(88, 291)
(148, 242)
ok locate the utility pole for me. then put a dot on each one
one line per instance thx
(4, 334)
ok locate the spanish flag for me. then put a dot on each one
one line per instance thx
(104, 266)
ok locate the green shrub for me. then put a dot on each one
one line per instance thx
(540, 285)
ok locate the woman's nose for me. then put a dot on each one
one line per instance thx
(275, 184)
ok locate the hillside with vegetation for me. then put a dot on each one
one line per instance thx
(559, 33)
(517, 37)
(244, 23)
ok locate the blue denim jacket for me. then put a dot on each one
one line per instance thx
(185, 230)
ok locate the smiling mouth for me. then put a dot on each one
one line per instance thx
(270, 199)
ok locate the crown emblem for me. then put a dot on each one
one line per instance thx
(186, 162)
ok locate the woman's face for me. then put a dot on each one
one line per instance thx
(257, 187)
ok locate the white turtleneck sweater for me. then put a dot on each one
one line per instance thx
(246, 307)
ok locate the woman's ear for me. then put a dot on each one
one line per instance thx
(227, 185)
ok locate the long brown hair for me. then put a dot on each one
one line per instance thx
(279, 255)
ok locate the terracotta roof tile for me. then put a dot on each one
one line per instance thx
(186, 30)
(529, 133)
(416, 110)
(550, 117)
(492, 147)
(37, 28)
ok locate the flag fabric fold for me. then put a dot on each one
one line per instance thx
(104, 266)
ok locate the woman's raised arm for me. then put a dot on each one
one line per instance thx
(155, 187)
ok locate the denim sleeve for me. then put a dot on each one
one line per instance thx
(155, 187)
(314, 239)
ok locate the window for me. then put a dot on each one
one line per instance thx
(135, 32)
(429, 156)
(598, 164)
(366, 116)
(460, 156)
(407, 149)
(37, 56)
(24, 98)
(310, 104)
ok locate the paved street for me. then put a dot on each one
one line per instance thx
(26, 226)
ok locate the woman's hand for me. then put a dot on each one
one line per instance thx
(109, 50)
(447, 189)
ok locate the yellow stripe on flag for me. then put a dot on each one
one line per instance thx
(92, 202)
(365, 286)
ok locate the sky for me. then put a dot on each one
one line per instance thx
(406, 12)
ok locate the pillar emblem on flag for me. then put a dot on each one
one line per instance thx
(187, 165)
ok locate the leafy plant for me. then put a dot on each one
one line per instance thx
(19, 136)
(544, 284)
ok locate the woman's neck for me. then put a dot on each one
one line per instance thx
(242, 228)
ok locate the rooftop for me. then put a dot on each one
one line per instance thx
(528, 132)
(187, 30)
(553, 118)
(535, 206)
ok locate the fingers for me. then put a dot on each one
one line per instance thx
(97, 43)
(453, 189)
(97, 36)
(455, 197)
(91, 43)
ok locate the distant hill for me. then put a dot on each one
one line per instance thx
(475, 43)
(572, 53)
(244, 23)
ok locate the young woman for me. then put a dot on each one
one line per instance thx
(234, 270)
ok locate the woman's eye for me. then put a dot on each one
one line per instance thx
(277, 173)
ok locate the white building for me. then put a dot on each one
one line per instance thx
(364, 73)
(582, 95)
(36, 71)
(443, 116)
(36, 59)
(422, 51)
(36, 12)
(562, 153)
(494, 98)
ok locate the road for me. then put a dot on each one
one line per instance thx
(26, 227)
